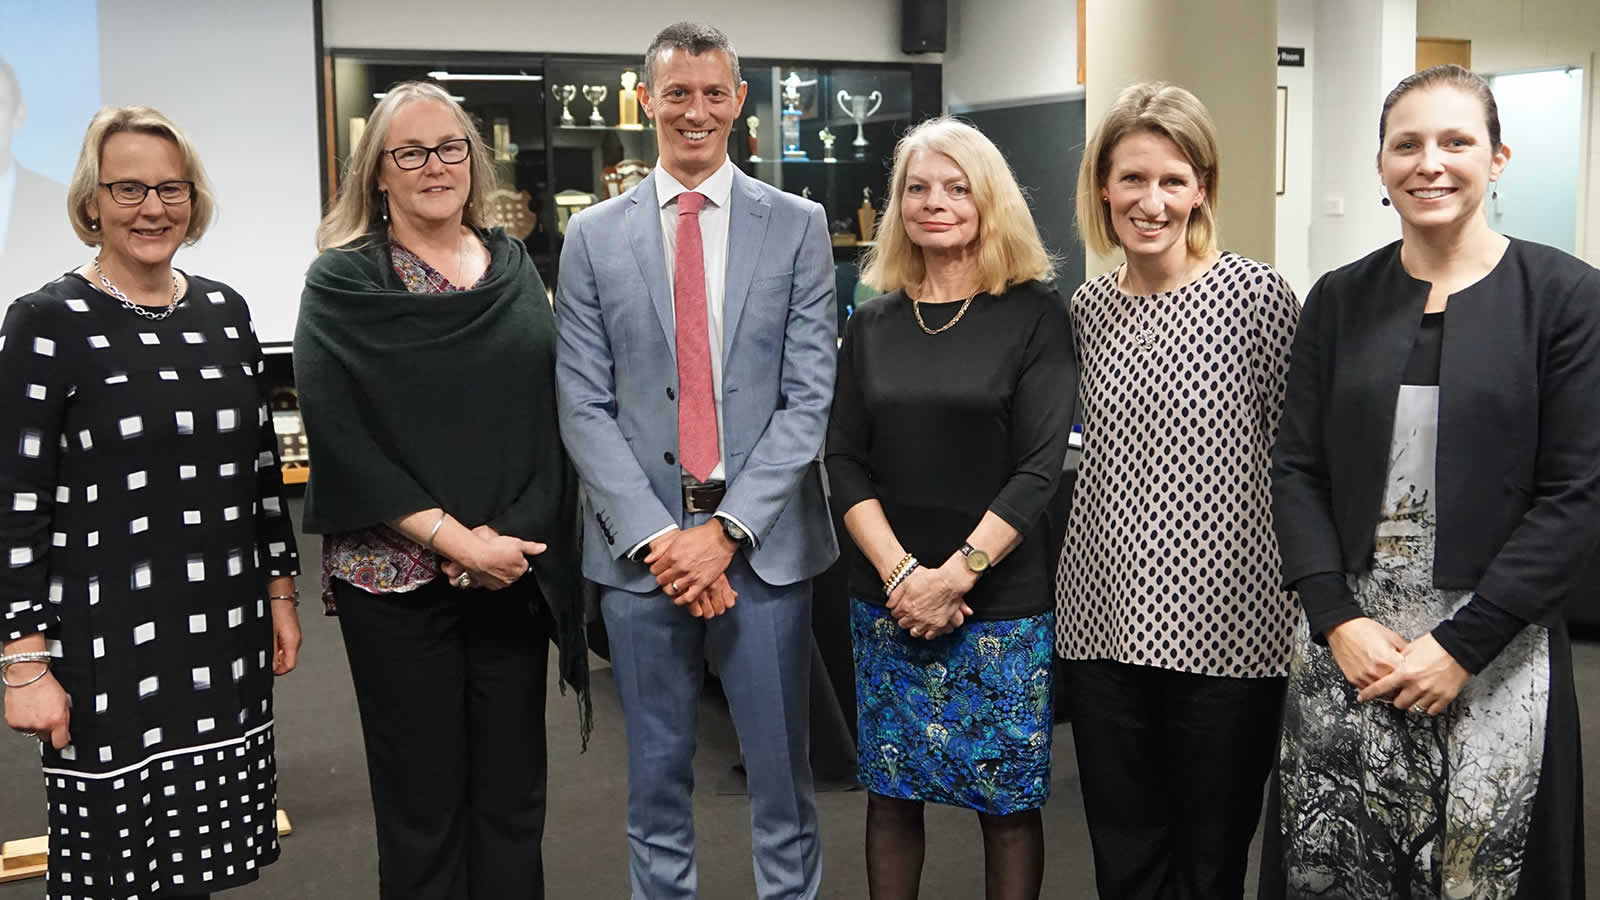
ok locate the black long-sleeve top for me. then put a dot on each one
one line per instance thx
(1518, 469)
(943, 428)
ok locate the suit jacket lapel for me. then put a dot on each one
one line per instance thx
(643, 221)
(747, 230)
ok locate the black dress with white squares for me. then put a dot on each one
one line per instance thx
(1170, 560)
(141, 511)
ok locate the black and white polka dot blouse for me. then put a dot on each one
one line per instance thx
(1170, 559)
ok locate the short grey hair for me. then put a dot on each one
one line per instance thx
(696, 39)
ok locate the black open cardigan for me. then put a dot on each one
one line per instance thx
(1518, 467)
(413, 401)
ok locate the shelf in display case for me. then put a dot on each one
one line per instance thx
(814, 162)
(622, 128)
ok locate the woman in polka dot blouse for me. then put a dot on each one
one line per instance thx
(1171, 615)
(150, 556)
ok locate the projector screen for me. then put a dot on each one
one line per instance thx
(237, 75)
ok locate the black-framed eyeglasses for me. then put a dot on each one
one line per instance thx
(132, 193)
(414, 156)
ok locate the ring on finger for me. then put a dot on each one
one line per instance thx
(1419, 709)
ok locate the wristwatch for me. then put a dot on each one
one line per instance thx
(977, 560)
(734, 532)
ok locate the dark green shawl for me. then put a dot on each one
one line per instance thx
(413, 401)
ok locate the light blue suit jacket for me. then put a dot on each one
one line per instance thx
(617, 378)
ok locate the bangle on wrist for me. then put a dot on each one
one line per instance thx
(435, 532)
(32, 656)
(294, 597)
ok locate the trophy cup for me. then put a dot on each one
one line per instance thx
(596, 95)
(856, 108)
(628, 102)
(791, 115)
(754, 123)
(566, 93)
(827, 138)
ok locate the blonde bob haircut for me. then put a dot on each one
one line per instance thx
(357, 210)
(1159, 108)
(86, 176)
(1009, 249)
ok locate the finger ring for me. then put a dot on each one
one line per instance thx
(1420, 710)
(674, 587)
(464, 580)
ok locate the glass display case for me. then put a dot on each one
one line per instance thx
(568, 131)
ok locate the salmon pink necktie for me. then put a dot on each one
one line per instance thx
(697, 411)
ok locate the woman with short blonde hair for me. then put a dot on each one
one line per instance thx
(950, 420)
(150, 598)
(1174, 626)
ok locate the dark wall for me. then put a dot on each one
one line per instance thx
(1044, 142)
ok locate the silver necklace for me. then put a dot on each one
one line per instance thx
(112, 289)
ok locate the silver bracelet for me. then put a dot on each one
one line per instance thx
(435, 532)
(899, 579)
(6, 662)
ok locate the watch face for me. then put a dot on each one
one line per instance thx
(977, 561)
(733, 531)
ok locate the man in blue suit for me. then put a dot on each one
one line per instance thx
(695, 370)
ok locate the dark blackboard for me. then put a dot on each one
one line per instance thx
(1044, 143)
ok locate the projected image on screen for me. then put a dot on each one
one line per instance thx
(49, 89)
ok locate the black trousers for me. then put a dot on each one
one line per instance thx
(1172, 766)
(451, 688)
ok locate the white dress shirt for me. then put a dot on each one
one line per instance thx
(714, 217)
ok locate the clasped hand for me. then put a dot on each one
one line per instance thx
(931, 603)
(691, 567)
(497, 562)
(1418, 675)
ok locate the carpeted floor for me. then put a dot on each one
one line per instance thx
(331, 854)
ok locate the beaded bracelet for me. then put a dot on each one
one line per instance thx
(901, 572)
(894, 574)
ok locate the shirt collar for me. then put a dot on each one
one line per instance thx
(717, 188)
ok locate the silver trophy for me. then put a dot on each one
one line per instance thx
(856, 108)
(566, 93)
(596, 95)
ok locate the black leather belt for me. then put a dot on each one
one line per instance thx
(703, 496)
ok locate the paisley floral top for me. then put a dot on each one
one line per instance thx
(380, 560)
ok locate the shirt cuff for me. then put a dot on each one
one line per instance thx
(1327, 602)
(719, 514)
(633, 552)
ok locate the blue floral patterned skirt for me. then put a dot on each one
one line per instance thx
(962, 720)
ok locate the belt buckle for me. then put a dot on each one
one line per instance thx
(702, 497)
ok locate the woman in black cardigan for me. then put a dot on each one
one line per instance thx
(1436, 491)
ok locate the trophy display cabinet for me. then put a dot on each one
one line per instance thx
(567, 131)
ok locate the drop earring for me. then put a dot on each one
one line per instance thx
(383, 197)
(1494, 192)
(1383, 197)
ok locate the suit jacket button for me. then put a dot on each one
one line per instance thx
(671, 395)
(669, 457)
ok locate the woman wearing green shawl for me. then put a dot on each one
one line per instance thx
(424, 358)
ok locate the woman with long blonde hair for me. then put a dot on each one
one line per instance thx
(950, 420)
(425, 362)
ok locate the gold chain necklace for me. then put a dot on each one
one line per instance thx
(916, 310)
